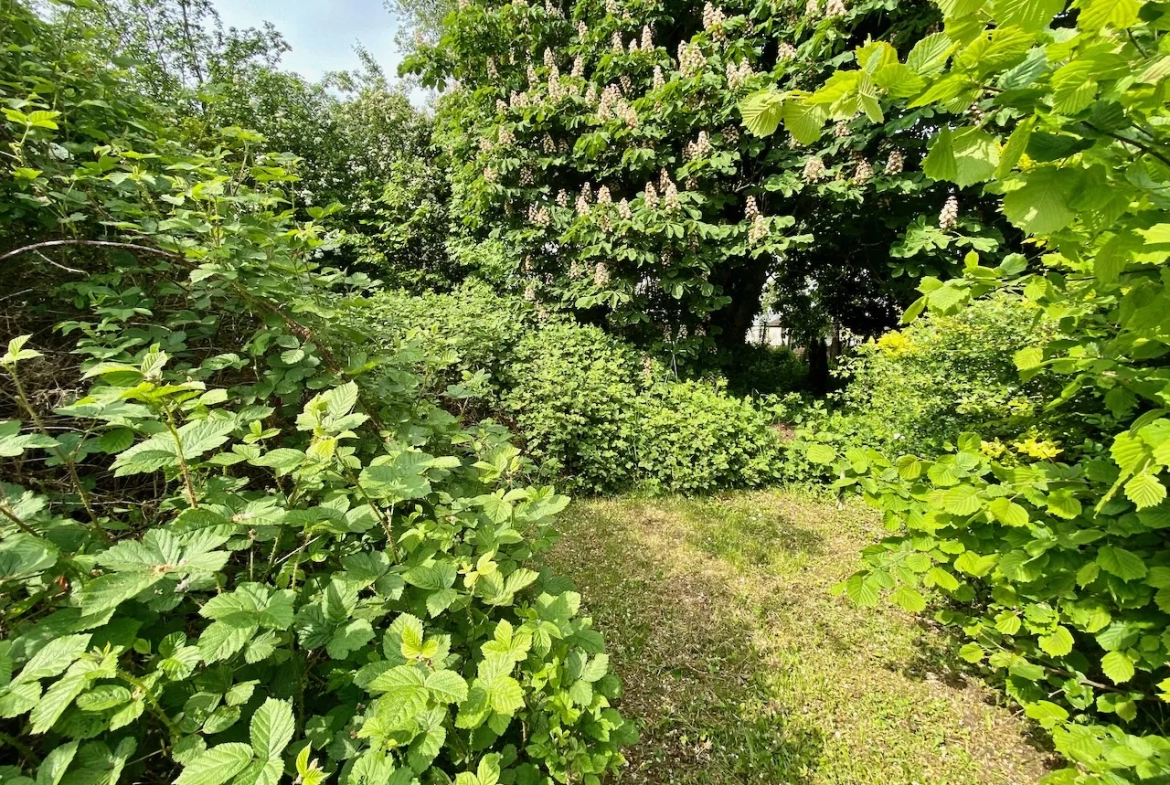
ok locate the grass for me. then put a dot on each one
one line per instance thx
(742, 666)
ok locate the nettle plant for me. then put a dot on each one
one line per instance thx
(1053, 550)
(598, 142)
(221, 559)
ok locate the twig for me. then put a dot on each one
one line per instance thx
(94, 243)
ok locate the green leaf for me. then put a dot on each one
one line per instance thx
(909, 599)
(1124, 564)
(1145, 490)
(1008, 512)
(929, 55)
(447, 686)
(272, 728)
(1117, 666)
(1029, 358)
(962, 500)
(1040, 207)
(217, 765)
(762, 112)
(821, 454)
(965, 157)
(1058, 643)
(804, 121)
(1118, 14)
(971, 652)
(1029, 15)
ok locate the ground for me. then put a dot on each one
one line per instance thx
(741, 665)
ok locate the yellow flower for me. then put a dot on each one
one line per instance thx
(1044, 450)
(992, 449)
(894, 343)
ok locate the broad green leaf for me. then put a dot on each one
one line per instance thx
(1145, 490)
(447, 686)
(762, 112)
(1029, 15)
(272, 728)
(1058, 643)
(218, 765)
(1118, 561)
(1118, 667)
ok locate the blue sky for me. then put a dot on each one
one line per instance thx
(321, 32)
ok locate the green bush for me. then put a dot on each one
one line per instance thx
(918, 388)
(590, 410)
(233, 549)
(1051, 557)
(764, 370)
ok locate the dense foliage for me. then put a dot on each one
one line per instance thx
(234, 548)
(919, 388)
(592, 411)
(599, 145)
(1055, 554)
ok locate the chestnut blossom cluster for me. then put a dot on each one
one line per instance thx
(624, 210)
(601, 275)
(651, 196)
(538, 215)
(785, 51)
(670, 198)
(841, 130)
(731, 135)
(713, 19)
(863, 173)
(758, 230)
(750, 209)
(835, 8)
(647, 39)
(895, 162)
(584, 198)
(690, 59)
(518, 100)
(700, 148)
(949, 216)
(659, 81)
(613, 106)
(562, 198)
(814, 170)
(737, 75)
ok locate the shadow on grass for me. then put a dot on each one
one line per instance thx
(691, 673)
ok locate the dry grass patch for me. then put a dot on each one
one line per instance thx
(743, 667)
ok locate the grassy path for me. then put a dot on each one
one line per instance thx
(743, 667)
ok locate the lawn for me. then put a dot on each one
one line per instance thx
(742, 666)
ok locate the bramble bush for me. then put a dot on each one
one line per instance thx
(1054, 557)
(233, 548)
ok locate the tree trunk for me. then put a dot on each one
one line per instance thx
(744, 284)
(818, 366)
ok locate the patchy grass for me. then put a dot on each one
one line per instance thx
(743, 667)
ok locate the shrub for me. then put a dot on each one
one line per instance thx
(696, 438)
(919, 388)
(590, 410)
(1053, 555)
(764, 370)
(576, 401)
(222, 558)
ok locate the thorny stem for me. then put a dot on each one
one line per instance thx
(24, 527)
(182, 461)
(155, 708)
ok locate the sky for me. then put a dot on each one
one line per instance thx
(322, 33)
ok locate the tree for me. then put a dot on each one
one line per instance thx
(615, 178)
